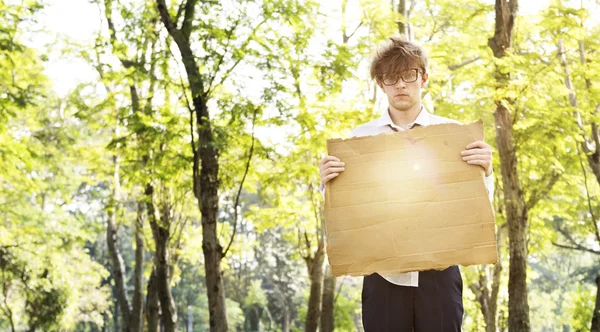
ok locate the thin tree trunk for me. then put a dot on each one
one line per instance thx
(137, 315)
(315, 269)
(116, 326)
(516, 209)
(328, 317)
(118, 265)
(162, 262)
(135, 322)
(152, 304)
(6, 308)
(593, 155)
(205, 167)
(493, 312)
(190, 319)
(486, 294)
(358, 322)
(286, 319)
(596, 316)
(404, 26)
(403, 22)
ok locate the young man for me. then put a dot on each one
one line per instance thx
(415, 301)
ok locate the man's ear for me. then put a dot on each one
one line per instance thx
(424, 79)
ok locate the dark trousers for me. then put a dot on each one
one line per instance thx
(435, 306)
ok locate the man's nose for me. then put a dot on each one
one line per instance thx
(400, 83)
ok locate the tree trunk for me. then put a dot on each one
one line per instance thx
(162, 262)
(137, 314)
(315, 269)
(152, 304)
(328, 316)
(403, 22)
(205, 167)
(493, 303)
(593, 155)
(517, 214)
(118, 265)
(516, 209)
(486, 294)
(135, 323)
(190, 319)
(116, 325)
(286, 319)
(358, 322)
(596, 315)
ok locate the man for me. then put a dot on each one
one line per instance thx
(414, 301)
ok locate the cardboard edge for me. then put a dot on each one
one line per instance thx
(473, 126)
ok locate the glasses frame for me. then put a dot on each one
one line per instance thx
(400, 76)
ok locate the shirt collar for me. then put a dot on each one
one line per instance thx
(423, 119)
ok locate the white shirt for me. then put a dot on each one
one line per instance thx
(384, 124)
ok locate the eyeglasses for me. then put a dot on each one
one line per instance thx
(408, 76)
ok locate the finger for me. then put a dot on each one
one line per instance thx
(477, 144)
(476, 151)
(329, 158)
(330, 171)
(477, 157)
(478, 162)
(334, 170)
(329, 177)
(334, 164)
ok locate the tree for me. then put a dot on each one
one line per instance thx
(516, 209)
(205, 141)
(588, 148)
(41, 227)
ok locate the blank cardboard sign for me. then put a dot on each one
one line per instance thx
(408, 202)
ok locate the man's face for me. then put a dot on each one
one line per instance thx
(403, 96)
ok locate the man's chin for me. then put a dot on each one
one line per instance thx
(403, 106)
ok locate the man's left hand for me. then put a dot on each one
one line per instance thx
(479, 153)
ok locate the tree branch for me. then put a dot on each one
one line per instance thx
(538, 194)
(347, 38)
(576, 247)
(339, 290)
(111, 25)
(307, 241)
(464, 63)
(179, 12)
(166, 18)
(243, 48)
(574, 244)
(237, 197)
(589, 200)
(188, 18)
(229, 34)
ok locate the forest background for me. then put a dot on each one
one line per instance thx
(158, 159)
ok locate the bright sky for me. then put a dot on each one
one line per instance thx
(79, 21)
(75, 20)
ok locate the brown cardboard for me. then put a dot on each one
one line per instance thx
(408, 202)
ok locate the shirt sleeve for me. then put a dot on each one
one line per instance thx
(489, 184)
(322, 190)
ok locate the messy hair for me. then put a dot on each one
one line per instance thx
(396, 56)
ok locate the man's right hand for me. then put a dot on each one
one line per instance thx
(330, 167)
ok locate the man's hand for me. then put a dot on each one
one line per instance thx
(330, 167)
(479, 153)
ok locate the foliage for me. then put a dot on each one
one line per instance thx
(281, 78)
